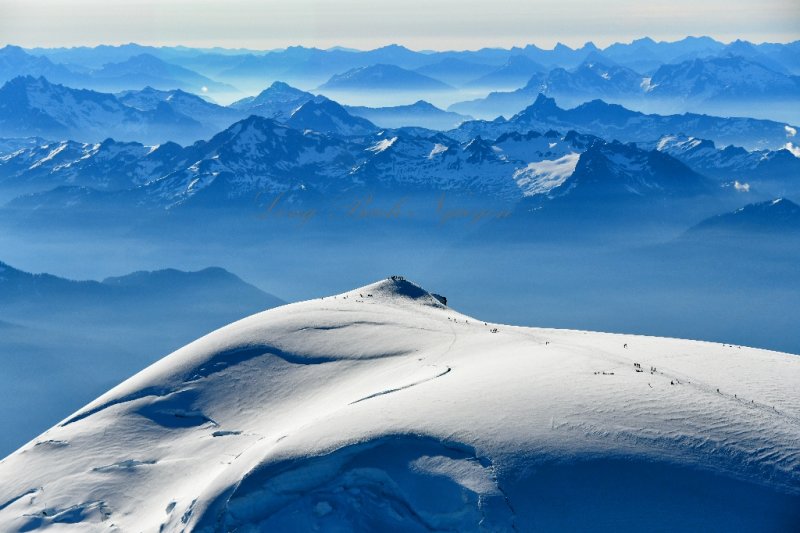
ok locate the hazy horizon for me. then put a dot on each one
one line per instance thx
(367, 25)
(388, 44)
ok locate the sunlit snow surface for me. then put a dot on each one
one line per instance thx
(544, 176)
(381, 409)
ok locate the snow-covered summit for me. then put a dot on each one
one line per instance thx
(397, 289)
(382, 409)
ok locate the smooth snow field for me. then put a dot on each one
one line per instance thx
(383, 410)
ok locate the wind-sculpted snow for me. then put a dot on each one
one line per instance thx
(383, 409)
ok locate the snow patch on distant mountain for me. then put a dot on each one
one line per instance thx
(437, 149)
(543, 176)
(382, 145)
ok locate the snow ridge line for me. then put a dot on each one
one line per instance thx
(17, 498)
(389, 391)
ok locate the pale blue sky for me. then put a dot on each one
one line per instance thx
(418, 24)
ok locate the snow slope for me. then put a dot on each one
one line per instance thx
(382, 409)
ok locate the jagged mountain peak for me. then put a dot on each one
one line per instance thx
(543, 105)
(479, 150)
(544, 101)
(326, 116)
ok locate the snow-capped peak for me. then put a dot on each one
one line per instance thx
(396, 289)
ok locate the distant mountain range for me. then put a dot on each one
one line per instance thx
(645, 55)
(115, 150)
(32, 296)
(642, 55)
(718, 83)
(457, 72)
(147, 70)
(515, 73)
(767, 170)
(694, 74)
(678, 76)
(420, 114)
(277, 101)
(613, 121)
(772, 218)
(35, 107)
(133, 72)
(382, 77)
(322, 152)
(14, 61)
(718, 79)
(109, 165)
(210, 115)
(311, 67)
